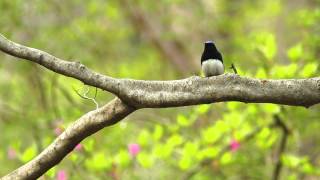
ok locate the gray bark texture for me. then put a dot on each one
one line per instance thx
(135, 94)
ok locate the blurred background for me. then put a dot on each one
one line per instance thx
(161, 40)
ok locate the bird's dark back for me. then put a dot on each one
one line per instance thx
(210, 52)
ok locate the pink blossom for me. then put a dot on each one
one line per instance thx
(12, 154)
(133, 149)
(62, 175)
(58, 131)
(234, 145)
(78, 147)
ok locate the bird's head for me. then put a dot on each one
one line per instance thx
(209, 45)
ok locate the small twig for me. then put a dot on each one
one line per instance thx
(283, 142)
(233, 67)
(85, 96)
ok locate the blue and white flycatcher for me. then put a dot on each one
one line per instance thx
(211, 60)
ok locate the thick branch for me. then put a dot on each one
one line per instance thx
(190, 91)
(74, 134)
(228, 87)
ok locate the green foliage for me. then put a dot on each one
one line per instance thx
(210, 152)
(309, 69)
(189, 152)
(98, 162)
(271, 108)
(300, 163)
(157, 132)
(52, 172)
(162, 151)
(122, 159)
(266, 44)
(226, 158)
(295, 52)
(286, 71)
(144, 137)
(212, 134)
(183, 121)
(266, 138)
(174, 140)
(89, 145)
(145, 160)
(28, 154)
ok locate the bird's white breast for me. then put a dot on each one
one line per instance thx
(212, 67)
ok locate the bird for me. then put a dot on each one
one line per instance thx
(211, 60)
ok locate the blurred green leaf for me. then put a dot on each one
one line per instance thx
(28, 154)
(292, 177)
(98, 162)
(308, 168)
(183, 121)
(252, 109)
(287, 71)
(88, 144)
(210, 152)
(211, 134)
(123, 158)
(290, 160)
(203, 108)
(145, 160)
(232, 119)
(291, 70)
(261, 74)
(175, 140)
(162, 151)
(309, 69)
(185, 162)
(271, 108)
(47, 140)
(266, 44)
(191, 148)
(144, 137)
(226, 158)
(307, 17)
(51, 172)
(295, 52)
(157, 132)
(74, 157)
(174, 128)
(112, 11)
(233, 105)
(265, 138)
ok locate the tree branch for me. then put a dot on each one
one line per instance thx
(190, 91)
(85, 126)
